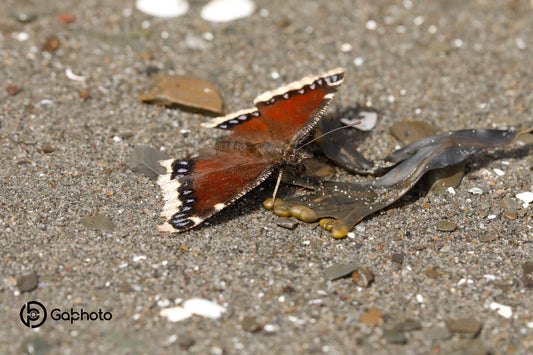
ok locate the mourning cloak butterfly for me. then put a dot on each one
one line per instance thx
(262, 139)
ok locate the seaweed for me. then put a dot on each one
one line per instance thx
(341, 205)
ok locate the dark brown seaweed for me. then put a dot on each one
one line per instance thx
(348, 203)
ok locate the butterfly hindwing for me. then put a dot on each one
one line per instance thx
(195, 189)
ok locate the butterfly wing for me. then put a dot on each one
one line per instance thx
(287, 113)
(195, 189)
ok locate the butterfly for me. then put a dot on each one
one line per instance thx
(263, 139)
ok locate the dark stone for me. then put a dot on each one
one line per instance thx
(527, 269)
(28, 282)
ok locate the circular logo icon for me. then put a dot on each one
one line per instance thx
(33, 314)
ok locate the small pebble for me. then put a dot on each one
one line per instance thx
(98, 221)
(437, 333)
(406, 326)
(363, 277)
(51, 44)
(250, 324)
(47, 149)
(336, 271)
(463, 325)
(12, 90)
(35, 344)
(488, 238)
(227, 10)
(445, 249)
(28, 282)
(446, 226)
(394, 337)
(527, 271)
(162, 8)
(503, 310)
(372, 318)
(287, 223)
(398, 257)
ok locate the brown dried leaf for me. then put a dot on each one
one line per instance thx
(186, 92)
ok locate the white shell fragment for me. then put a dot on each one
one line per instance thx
(204, 308)
(475, 191)
(227, 10)
(162, 8)
(503, 310)
(198, 306)
(70, 74)
(175, 314)
(368, 120)
(526, 197)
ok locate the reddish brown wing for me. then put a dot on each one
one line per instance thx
(197, 188)
(287, 113)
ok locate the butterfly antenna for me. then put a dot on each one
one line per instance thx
(325, 134)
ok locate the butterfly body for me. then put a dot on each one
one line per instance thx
(263, 139)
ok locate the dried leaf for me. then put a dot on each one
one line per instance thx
(185, 92)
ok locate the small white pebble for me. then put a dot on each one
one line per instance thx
(419, 20)
(117, 139)
(227, 10)
(503, 310)
(270, 328)
(139, 257)
(432, 29)
(490, 277)
(458, 42)
(491, 216)
(204, 308)
(162, 8)
(175, 314)
(306, 242)
(136, 316)
(208, 36)
(274, 75)
(371, 25)
(520, 43)
(526, 197)
(475, 191)
(498, 172)
(451, 190)
(163, 303)
(419, 298)
(346, 47)
(359, 61)
(20, 36)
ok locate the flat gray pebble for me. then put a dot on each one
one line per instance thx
(28, 282)
(336, 271)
